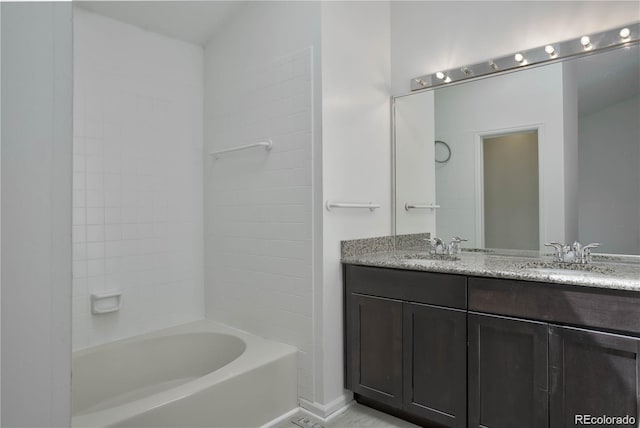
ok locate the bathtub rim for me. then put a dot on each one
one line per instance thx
(257, 353)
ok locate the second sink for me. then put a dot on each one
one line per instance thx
(557, 268)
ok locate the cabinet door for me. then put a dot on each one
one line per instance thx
(435, 364)
(593, 373)
(508, 380)
(376, 341)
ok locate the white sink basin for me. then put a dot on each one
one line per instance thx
(565, 269)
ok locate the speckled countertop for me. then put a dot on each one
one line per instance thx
(615, 272)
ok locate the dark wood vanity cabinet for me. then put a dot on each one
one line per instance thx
(376, 328)
(592, 373)
(435, 349)
(591, 357)
(532, 374)
(403, 351)
(446, 350)
(508, 381)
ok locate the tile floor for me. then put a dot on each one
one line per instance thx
(355, 416)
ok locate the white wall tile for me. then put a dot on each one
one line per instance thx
(132, 166)
(259, 204)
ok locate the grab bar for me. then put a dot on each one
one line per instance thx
(371, 206)
(268, 145)
(408, 206)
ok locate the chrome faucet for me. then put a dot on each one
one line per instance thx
(438, 247)
(584, 252)
(454, 245)
(558, 256)
(574, 253)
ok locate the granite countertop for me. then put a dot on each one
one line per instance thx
(614, 272)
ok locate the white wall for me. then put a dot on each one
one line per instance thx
(356, 161)
(137, 182)
(531, 99)
(36, 214)
(427, 36)
(415, 155)
(609, 191)
(0, 215)
(570, 142)
(260, 78)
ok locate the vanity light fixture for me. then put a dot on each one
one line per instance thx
(625, 34)
(441, 76)
(550, 50)
(613, 38)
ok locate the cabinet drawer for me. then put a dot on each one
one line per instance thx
(585, 306)
(413, 286)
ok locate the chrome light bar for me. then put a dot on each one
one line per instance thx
(625, 35)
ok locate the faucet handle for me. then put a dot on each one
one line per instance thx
(454, 246)
(558, 256)
(558, 246)
(586, 252)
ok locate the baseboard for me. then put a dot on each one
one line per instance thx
(281, 418)
(322, 412)
(326, 412)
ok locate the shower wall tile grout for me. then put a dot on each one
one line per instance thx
(137, 182)
(258, 205)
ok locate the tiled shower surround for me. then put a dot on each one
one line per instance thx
(137, 182)
(258, 204)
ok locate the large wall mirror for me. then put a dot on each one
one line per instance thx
(514, 160)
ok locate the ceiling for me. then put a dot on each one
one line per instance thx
(191, 21)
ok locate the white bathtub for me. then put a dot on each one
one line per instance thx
(201, 374)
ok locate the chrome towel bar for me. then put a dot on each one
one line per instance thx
(267, 144)
(408, 206)
(371, 206)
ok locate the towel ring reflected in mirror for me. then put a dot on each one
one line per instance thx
(447, 150)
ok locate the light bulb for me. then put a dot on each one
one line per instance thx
(550, 50)
(440, 75)
(519, 58)
(585, 42)
(625, 33)
(447, 80)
